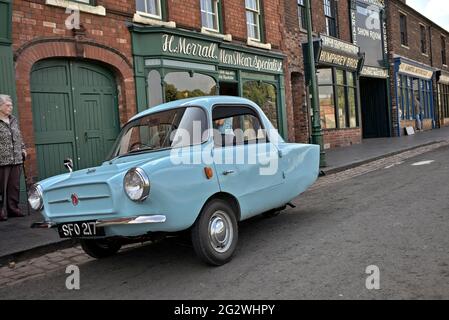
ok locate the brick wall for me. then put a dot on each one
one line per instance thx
(437, 33)
(342, 138)
(414, 21)
(294, 36)
(188, 16)
(413, 50)
(39, 33)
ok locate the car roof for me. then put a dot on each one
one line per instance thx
(206, 102)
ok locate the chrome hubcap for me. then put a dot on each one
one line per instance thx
(220, 231)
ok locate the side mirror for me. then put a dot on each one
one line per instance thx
(68, 163)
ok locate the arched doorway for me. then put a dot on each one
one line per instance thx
(75, 114)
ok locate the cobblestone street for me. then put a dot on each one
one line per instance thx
(56, 262)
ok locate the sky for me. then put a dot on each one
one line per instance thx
(436, 10)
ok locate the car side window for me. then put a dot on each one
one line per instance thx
(237, 126)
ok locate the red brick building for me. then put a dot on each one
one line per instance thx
(83, 68)
(419, 67)
(346, 113)
(65, 72)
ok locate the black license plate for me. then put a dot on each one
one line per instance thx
(85, 229)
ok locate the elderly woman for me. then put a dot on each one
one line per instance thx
(12, 152)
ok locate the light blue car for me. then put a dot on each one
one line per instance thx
(200, 165)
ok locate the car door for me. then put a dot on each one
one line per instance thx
(247, 163)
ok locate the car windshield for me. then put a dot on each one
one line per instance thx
(179, 127)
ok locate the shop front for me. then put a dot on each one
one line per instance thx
(443, 97)
(414, 95)
(338, 65)
(177, 64)
(369, 33)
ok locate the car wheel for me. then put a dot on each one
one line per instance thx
(100, 248)
(215, 233)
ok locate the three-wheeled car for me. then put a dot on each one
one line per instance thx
(201, 165)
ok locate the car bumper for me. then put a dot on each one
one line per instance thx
(151, 219)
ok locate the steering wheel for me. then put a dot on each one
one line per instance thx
(140, 144)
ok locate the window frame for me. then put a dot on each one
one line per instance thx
(407, 98)
(161, 7)
(346, 86)
(301, 14)
(251, 111)
(443, 91)
(331, 14)
(403, 29)
(443, 50)
(423, 38)
(259, 20)
(205, 139)
(218, 16)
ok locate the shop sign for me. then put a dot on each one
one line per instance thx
(336, 52)
(183, 46)
(444, 79)
(338, 45)
(202, 50)
(368, 31)
(249, 61)
(338, 59)
(374, 72)
(378, 3)
(415, 71)
(227, 75)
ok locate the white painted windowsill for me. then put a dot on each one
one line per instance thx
(98, 10)
(252, 43)
(225, 37)
(153, 22)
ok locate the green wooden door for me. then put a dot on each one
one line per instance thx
(75, 114)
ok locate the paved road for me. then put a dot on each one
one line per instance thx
(395, 218)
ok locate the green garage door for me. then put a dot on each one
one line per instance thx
(75, 114)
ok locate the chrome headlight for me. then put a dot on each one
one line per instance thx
(35, 198)
(136, 184)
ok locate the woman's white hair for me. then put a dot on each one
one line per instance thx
(4, 98)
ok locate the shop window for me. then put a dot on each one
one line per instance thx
(341, 103)
(265, 96)
(444, 100)
(327, 107)
(338, 99)
(326, 96)
(403, 29)
(399, 98)
(302, 14)
(149, 8)
(253, 19)
(210, 15)
(414, 98)
(154, 89)
(330, 12)
(352, 106)
(403, 98)
(182, 85)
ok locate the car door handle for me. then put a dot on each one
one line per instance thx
(228, 172)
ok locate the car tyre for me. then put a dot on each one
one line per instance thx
(215, 233)
(100, 248)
